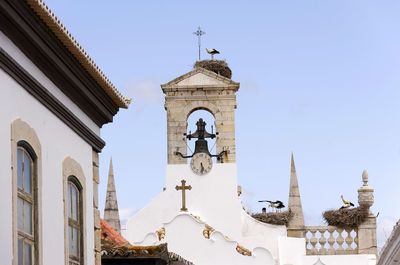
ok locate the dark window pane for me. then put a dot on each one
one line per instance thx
(27, 254)
(70, 239)
(69, 200)
(20, 253)
(20, 213)
(74, 203)
(27, 173)
(75, 242)
(28, 217)
(19, 168)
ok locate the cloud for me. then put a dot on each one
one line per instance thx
(247, 198)
(125, 214)
(144, 90)
(249, 84)
(384, 228)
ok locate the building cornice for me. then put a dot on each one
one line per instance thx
(33, 87)
(390, 253)
(44, 12)
(40, 43)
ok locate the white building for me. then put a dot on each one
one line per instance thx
(390, 254)
(199, 213)
(54, 100)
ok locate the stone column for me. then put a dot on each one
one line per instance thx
(176, 128)
(367, 230)
(96, 212)
(225, 126)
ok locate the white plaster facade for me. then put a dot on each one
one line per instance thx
(57, 141)
(213, 200)
(390, 254)
(62, 124)
(11, 49)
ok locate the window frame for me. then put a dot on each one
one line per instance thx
(26, 238)
(77, 224)
(24, 136)
(72, 171)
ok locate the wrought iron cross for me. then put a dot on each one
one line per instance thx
(199, 33)
(183, 188)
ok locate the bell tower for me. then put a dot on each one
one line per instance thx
(200, 89)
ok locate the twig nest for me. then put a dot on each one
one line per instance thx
(217, 66)
(281, 218)
(345, 218)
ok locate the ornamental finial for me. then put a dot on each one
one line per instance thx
(365, 177)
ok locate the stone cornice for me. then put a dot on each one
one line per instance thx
(33, 87)
(201, 97)
(391, 251)
(174, 86)
(27, 30)
(42, 10)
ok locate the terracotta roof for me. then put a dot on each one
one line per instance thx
(109, 234)
(61, 32)
(113, 244)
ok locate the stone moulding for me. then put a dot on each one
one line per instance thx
(33, 87)
(33, 37)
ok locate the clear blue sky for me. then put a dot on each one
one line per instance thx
(319, 78)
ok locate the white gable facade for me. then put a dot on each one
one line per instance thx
(214, 229)
(51, 115)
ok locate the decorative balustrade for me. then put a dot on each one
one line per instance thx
(331, 240)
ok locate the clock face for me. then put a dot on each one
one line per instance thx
(201, 163)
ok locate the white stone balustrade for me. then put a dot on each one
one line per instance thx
(331, 240)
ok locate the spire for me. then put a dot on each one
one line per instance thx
(296, 225)
(111, 214)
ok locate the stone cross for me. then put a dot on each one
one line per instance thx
(183, 188)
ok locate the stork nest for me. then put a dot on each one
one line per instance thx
(345, 218)
(281, 218)
(217, 66)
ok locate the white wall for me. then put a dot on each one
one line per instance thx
(214, 200)
(57, 142)
(13, 51)
(341, 259)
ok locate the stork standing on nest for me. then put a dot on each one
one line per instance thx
(212, 52)
(278, 205)
(347, 203)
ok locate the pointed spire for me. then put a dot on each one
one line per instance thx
(296, 226)
(111, 213)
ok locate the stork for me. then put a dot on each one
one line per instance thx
(347, 203)
(278, 205)
(212, 52)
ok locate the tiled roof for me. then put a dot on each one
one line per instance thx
(61, 32)
(109, 234)
(178, 259)
(113, 244)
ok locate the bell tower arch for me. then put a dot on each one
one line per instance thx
(195, 90)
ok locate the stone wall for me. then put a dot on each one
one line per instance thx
(200, 90)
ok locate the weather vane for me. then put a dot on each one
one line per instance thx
(199, 33)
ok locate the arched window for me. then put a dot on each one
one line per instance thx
(26, 205)
(74, 221)
(210, 127)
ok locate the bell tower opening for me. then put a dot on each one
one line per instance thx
(209, 119)
(194, 92)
